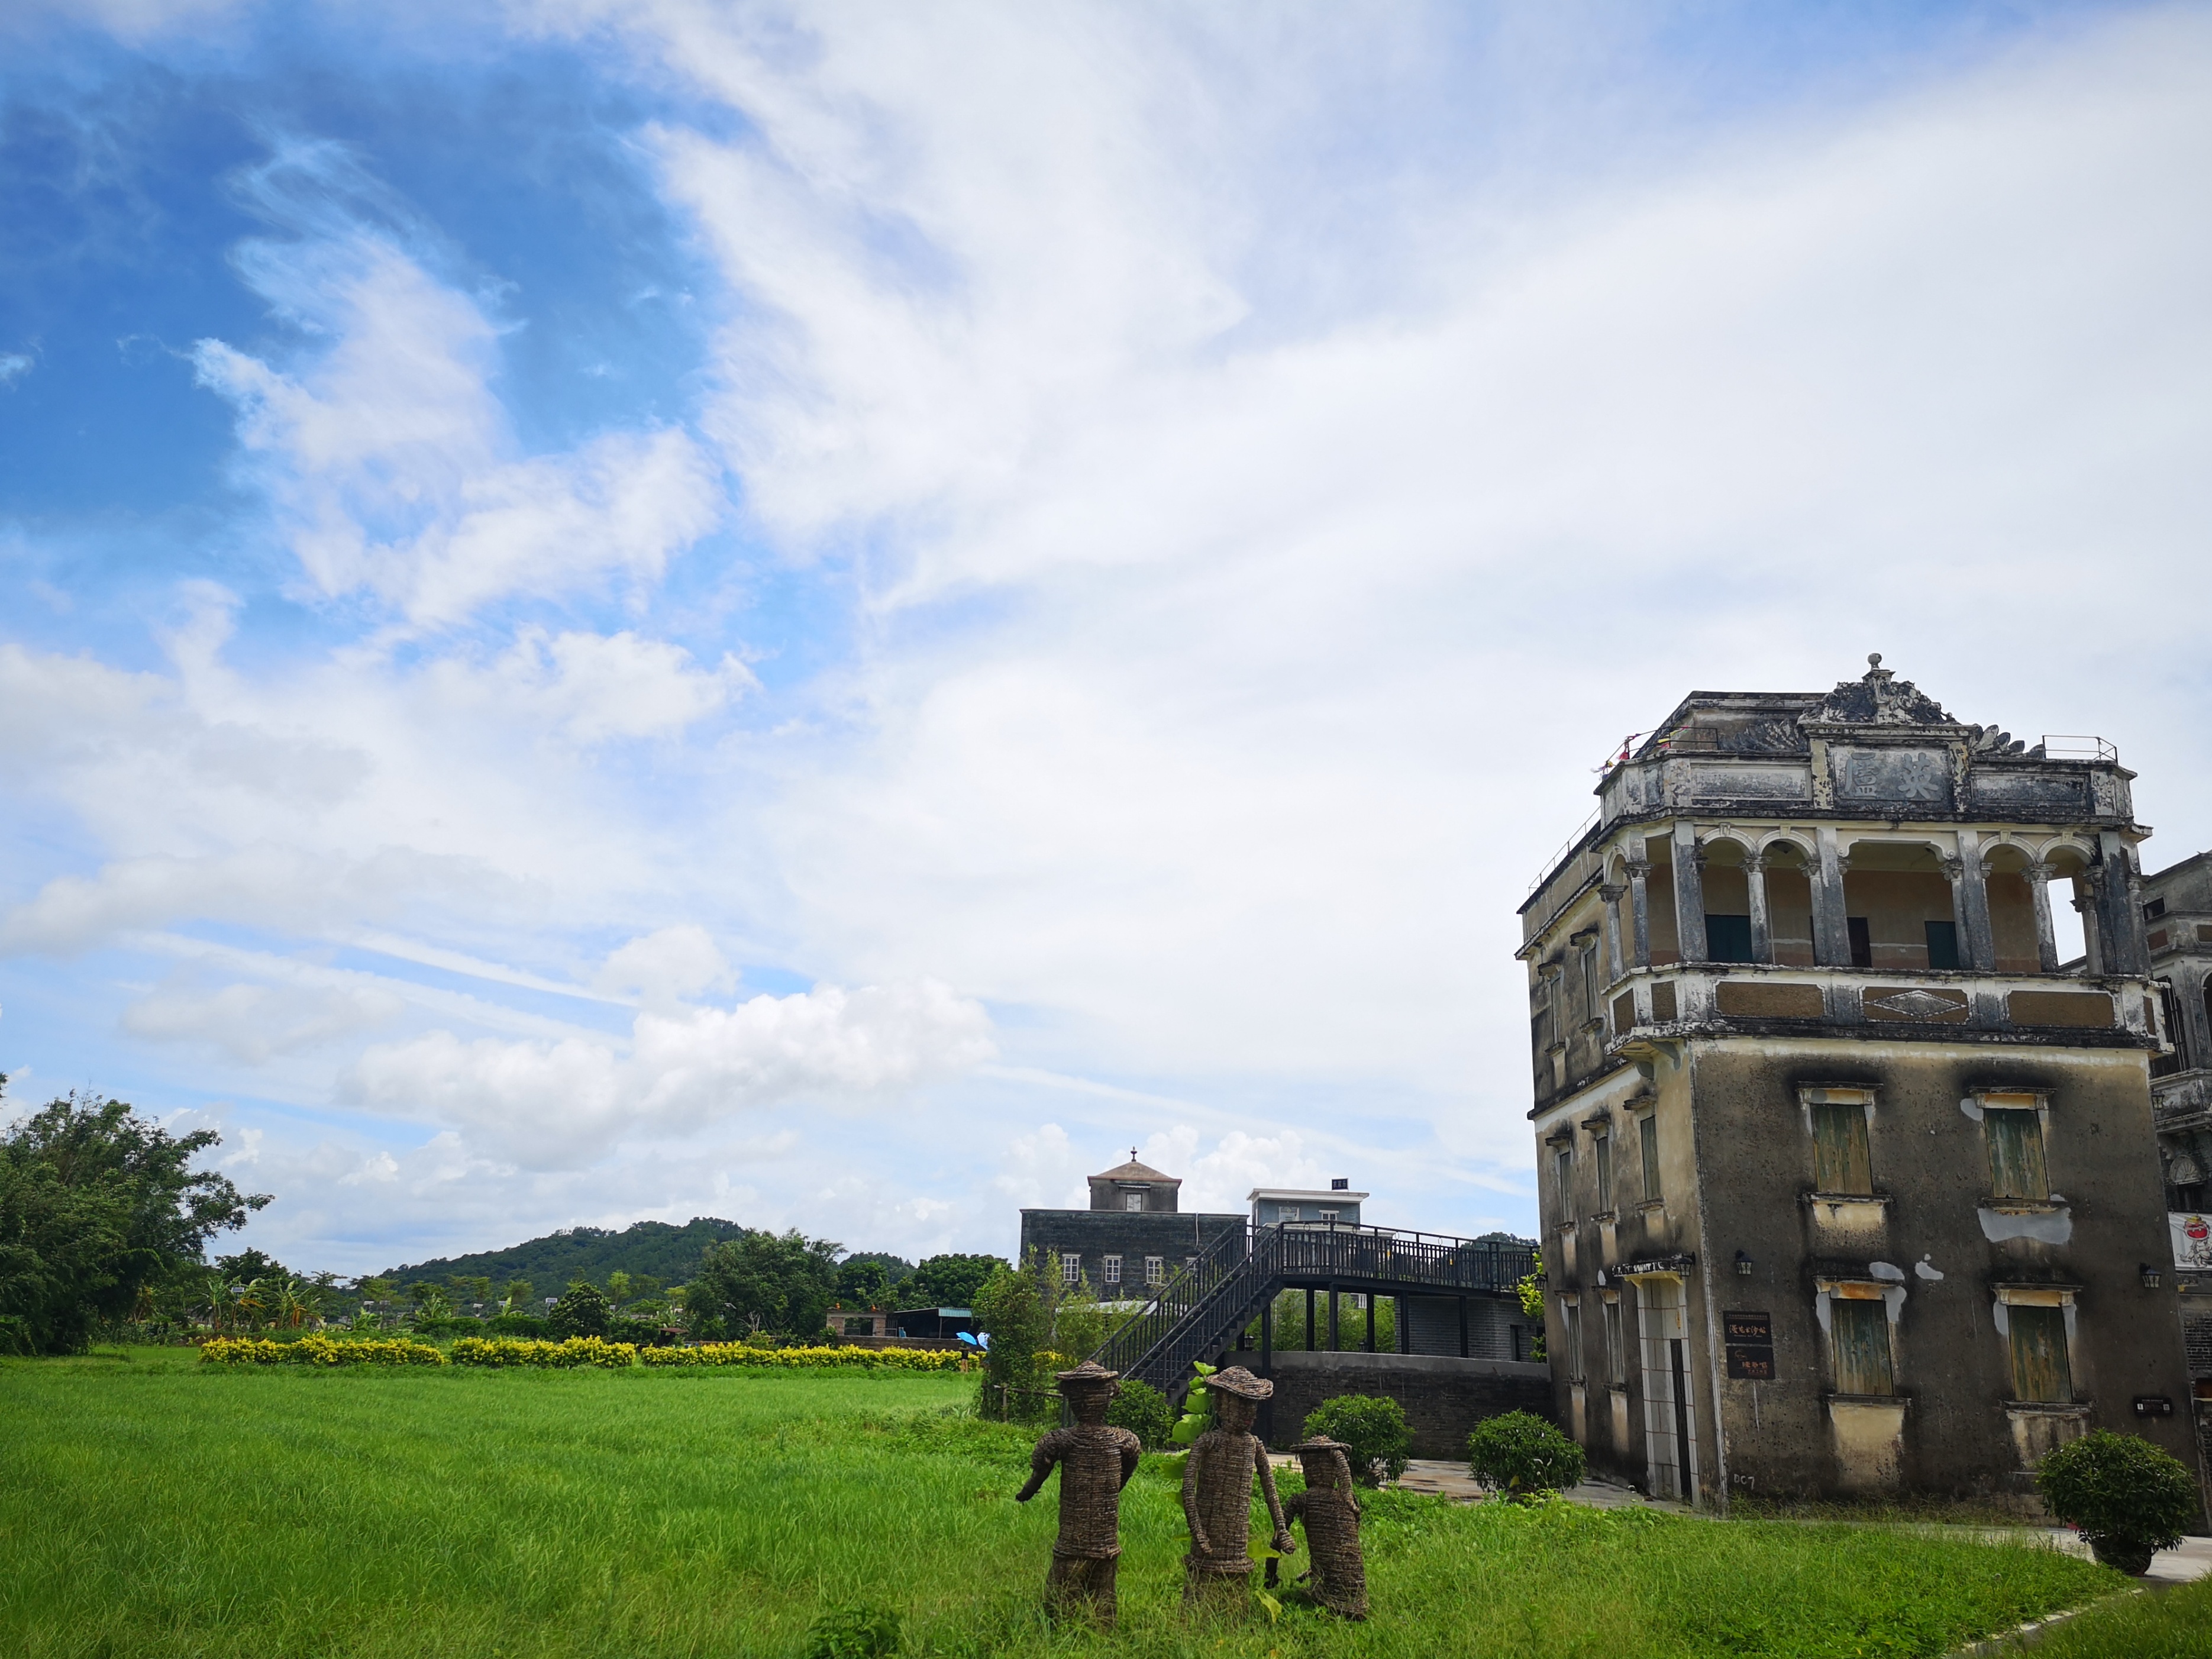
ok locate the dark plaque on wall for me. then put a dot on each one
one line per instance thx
(1750, 1343)
(2153, 1405)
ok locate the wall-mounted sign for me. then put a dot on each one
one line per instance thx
(2192, 1237)
(1750, 1346)
(2153, 1405)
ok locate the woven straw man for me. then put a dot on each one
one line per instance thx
(1096, 1462)
(1217, 1494)
(1330, 1512)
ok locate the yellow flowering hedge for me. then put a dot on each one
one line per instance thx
(560, 1356)
(837, 1357)
(317, 1351)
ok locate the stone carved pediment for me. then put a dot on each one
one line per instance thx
(1880, 699)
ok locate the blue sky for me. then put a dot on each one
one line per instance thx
(829, 615)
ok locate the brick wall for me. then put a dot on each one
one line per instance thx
(1443, 1398)
(1133, 1235)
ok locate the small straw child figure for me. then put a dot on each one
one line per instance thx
(1217, 1494)
(1096, 1462)
(1330, 1512)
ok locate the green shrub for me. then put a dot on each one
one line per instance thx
(2129, 1498)
(1197, 1407)
(584, 1311)
(1520, 1456)
(856, 1632)
(516, 1324)
(1143, 1410)
(1374, 1427)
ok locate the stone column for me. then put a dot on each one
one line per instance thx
(1754, 881)
(2119, 917)
(1831, 939)
(1640, 899)
(1611, 893)
(2087, 908)
(2046, 935)
(1954, 872)
(1689, 893)
(1970, 905)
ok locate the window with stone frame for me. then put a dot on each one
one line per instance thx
(1071, 1267)
(2014, 1134)
(1601, 1148)
(1570, 1323)
(1616, 1352)
(1155, 1270)
(1563, 1175)
(1842, 1161)
(2042, 1370)
(1858, 1334)
(1647, 1131)
(1109, 1271)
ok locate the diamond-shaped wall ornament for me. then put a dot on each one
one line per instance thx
(1916, 1005)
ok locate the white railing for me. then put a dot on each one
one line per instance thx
(2060, 746)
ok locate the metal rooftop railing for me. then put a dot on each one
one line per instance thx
(2063, 746)
(1565, 847)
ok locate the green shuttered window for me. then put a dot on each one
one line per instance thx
(1859, 1331)
(1647, 1129)
(1840, 1160)
(2015, 1142)
(2041, 1369)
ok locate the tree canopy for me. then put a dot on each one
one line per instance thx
(97, 1205)
(949, 1281)
(782, 1283)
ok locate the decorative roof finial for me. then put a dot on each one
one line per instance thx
(1874, 659)
(1133, 1154)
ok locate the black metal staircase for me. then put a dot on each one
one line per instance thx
(1200, 1312)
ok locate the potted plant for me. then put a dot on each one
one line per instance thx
(2128, 1499)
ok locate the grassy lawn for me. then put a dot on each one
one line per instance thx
(148, 1507)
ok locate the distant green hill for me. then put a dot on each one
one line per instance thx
(670, 1253)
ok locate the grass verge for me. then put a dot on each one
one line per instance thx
(148, 1507)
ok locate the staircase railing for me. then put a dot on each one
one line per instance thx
(1200, 1311)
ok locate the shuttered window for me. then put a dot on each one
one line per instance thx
(2016, 1141)
(1614, 1354)
(1563, 1172)
(1571, 1319)
(1840, 1160)
(1647, 1130)
(2039, 1366)
(1603, 1142)
(1859, 1331)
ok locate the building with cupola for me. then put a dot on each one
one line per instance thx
(1850, 1184)
(1134, 1236)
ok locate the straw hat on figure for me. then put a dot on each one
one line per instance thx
(1217, 1492)
(1330, 1513)
(1096, 1462)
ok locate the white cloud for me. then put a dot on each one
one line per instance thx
(252, 1023)
(14, 365)
(392, 465)
(665, 966)
(549, 1104)
(595, 687)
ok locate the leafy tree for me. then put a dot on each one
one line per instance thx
(377, 1290)
(518, 1296)
(763, 1282)
(1530, 1289)
(618, 1286)
(249, 1265)
(1522, 1456)
(583, 1310)
(96, 1205)
(2129, 1498)
(1143, 1410)
(1014, 1306)
(1373, 1427)
(949, 1281)
(862, 1283)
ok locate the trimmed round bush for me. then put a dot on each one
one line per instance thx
(1143, 1410)
(1374, 1427)
(2129, 1498)
(1520, 1456)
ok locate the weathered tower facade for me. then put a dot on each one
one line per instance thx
(1849, 1183)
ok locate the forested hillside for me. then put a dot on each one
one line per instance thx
(669, 1254)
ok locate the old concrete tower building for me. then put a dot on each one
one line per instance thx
(1134, 1236)
(2177, 922)
(1849, 1184)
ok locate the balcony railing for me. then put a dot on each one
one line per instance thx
(1721, 996)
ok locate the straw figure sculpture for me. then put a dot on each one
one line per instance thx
(1096, 1462)
(1337, 1575)
(1217, 1494)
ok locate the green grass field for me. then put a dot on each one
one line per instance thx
(150, 1507)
